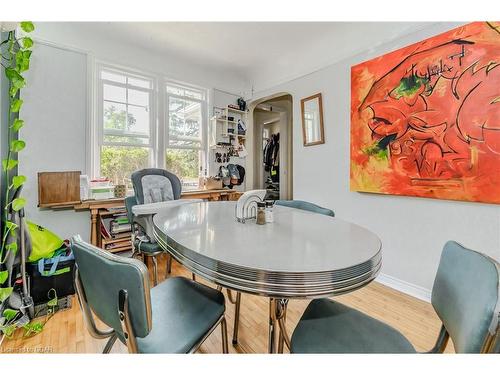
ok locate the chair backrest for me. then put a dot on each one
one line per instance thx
(153, 185)
(129, 203)
(307, 206)
(103, 275)
(465, 296)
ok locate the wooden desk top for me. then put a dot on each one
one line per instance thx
(112, 202)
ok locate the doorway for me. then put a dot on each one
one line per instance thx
(272, 145)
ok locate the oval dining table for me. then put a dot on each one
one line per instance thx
(300, 255)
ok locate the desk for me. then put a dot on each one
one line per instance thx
(96, 206)
(300, 255)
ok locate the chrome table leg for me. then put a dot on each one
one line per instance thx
(272, 326)
(281, 317)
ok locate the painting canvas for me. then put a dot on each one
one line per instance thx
(425, 119)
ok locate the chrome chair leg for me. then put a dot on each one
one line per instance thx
(169, 265)
(155, 270)
(223, 326)
(236, 317)
(109, 344)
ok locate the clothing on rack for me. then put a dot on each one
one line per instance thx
(271, 152)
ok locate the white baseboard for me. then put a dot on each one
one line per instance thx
(404, 287)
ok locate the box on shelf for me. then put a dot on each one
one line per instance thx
(101, 189)
(210, 183)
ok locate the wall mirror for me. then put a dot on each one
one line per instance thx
(312, 120)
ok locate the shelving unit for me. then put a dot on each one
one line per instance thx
(113, 243)
(220, 126)
(224, 136)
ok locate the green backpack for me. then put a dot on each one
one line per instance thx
(44, 243)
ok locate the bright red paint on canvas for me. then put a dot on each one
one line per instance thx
(425, 119)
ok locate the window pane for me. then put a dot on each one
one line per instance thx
(193, 94)
(114, 93)
(185, 119)
(118, 162)
(138, 120)
(138, 97)
(186, 165)
(114, 116)
(117, 137)
(184, 91)
(175, 90)
(187, 143)
(113, 77)
(139, 82)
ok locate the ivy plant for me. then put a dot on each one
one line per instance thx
(15, 58)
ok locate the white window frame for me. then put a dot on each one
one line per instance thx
(204, 118)
(159, 120)
(99, 112)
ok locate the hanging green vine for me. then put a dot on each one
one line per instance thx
(15, 60)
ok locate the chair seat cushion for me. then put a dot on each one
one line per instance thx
(330, 327)
(148, 247)
(183, 312)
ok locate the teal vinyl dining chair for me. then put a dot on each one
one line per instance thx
(465, 296)
(151, 185)
(144, 248)
(298, 204)
(174, 317)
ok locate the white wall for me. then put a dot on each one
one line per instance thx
(110, 49)
(4, 118)
(56, 108)
(412, 230)
(55, 113)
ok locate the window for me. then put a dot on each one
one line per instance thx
(125, 118)
(186, 132)
(131, 133)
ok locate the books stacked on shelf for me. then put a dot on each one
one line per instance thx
(115, 231)
(120, 225)
(119, 245)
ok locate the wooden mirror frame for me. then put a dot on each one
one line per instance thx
(321, 128)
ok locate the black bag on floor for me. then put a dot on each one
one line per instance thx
(56, 273)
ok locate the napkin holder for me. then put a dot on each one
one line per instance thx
(246, 206)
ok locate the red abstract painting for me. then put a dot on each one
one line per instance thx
(425, 119)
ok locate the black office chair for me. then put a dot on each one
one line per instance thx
(173, 317)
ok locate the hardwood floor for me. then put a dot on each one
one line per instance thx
(65, 331)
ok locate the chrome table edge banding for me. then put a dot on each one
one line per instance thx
(278, 285)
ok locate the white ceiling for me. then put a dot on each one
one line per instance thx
(261, 53)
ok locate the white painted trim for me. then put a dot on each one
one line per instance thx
(90, 142)
(405, 287)
(64, 47)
